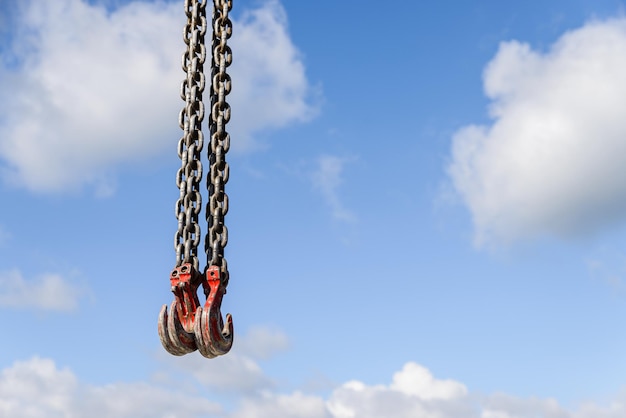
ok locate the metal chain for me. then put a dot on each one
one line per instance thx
(188, 177)
(217, 236)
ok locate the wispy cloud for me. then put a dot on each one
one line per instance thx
(46, 292)
(609, 267)
(262, 343)
(4, 235)
(552, 161)
(239, 371)
(327, 177)
(38, 387)
(101, 88)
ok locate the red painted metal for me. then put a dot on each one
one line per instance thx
(185, 281)
(213, 337)
(189, 326)
(176, 330)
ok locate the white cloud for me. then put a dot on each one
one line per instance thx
(506, 406)
(416, 380)
(47, 292)
(270, 88)
(272, 405)
(38, 388)
(231, 373)
(551, 163)
(327, 179)
(414, 392)
(94, 89)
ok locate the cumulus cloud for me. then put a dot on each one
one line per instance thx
(270, 87)
(84, 89)
(506, 406)
(414, 392)
(273, 405)
(327, 179)
(551, 162)
(416, 380)
(39, 388)
(46, 292)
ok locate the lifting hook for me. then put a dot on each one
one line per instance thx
(189, 326)
(213, 337)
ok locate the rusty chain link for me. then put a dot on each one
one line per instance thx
(190, 145)
(217, 207)
(190, 118)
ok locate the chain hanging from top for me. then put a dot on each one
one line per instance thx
(190, 326)
(217, 236)
(190, 146)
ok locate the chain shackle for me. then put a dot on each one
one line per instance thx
(190, 145)
(217, 207)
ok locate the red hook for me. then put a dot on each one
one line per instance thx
(213, 337)
(176, 329)
(189, 326)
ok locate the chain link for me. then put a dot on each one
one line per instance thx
(190, 145)
(217, 207)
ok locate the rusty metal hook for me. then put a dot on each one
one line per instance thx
(213, 337)
(176, 330)
(189, 326)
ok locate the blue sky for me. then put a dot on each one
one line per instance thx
(427, 210)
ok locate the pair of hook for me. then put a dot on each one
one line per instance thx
(189, 326)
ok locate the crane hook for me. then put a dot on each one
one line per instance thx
(190, 326)
(213, 337)
(176, 329)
